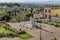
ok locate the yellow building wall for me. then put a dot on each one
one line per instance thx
(54, 12)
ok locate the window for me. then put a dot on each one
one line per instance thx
(45, 15)
(49, 11)
(45, 11)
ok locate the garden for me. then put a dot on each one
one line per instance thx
(50, 22)
(54, 23)
(7, 31)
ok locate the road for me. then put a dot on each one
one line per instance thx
(55, 18)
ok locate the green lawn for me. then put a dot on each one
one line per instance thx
(4, 32)
(56, 24)
(25, 36)
(50, 22)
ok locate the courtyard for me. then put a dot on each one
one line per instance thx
(48, 32)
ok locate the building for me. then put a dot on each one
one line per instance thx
(44, 13)
(47, 12)
(51, 11)
(55, 11)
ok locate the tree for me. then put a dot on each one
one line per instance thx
(5, 17)
(17, 18)
(9, 12)
(15, 10)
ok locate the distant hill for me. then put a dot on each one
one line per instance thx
(32, 4)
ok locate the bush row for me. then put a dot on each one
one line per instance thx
(56, 24)
(14, 32)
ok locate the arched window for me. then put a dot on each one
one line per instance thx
(49, 11)
(45, 10)
(45, 15)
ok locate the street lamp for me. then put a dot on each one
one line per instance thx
(40, 31)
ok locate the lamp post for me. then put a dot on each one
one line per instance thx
(40, 32)
(42, 9)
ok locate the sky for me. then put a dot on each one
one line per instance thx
(21, 1)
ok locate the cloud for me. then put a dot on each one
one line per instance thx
(54, 0)
(22, 0)
(26, 0)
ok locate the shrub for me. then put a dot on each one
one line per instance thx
(8, 27)
(46, 22)
(51, 23)
(22, 32)
(54, 38)
(57, 25)
(25, 36)
(3, 34)
(7, 24)
(26, 18)
(58, 22)
(49, 20)
(5, 17)
(39, 21)
(11, 35)
(29, 14)
(18, 18)
(13, 30)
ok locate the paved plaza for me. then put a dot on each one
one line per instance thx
(48, 32)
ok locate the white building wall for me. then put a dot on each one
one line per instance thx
(46, 12)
